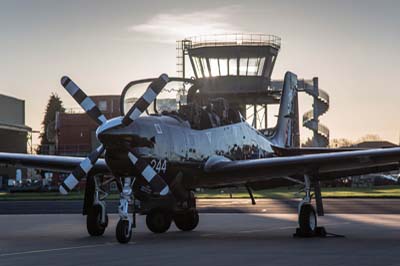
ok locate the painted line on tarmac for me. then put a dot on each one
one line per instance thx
(58, 249)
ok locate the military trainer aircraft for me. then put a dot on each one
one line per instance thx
(158, 160)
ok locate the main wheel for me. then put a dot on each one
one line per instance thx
(307, 220)
(158, 221)
(94, 225)
(123, 231)
(187, 221)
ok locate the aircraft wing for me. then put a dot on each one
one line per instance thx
(48, 162)
(309, 150)
(325, 165)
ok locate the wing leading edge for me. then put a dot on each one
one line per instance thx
(325, 166)
(49, 162)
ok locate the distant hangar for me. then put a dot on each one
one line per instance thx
(13, 132)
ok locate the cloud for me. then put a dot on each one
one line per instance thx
(172, 26)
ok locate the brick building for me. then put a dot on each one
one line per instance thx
(76, 132)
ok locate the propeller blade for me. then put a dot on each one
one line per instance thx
(80, 171)
(83, 100)
(156, 182)
(147, 98)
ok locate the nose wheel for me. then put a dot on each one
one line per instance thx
(123, 231)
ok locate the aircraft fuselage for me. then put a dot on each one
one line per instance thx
(168, 144)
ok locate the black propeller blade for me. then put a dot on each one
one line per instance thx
(156, 182)
(81, 171)
(83, 100)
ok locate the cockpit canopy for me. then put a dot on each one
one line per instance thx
(172, 102)
(169, 99)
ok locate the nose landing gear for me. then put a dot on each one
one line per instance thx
(124, 227)
(123, 231)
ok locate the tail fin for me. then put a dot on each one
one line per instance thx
(287, 128)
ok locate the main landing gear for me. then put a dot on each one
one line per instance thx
(186, 220)
(95, 223)
(95, 207)
(184, 215)
(158, 220)
(307, 216)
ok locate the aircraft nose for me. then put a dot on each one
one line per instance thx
(112, 132)
(108, 126)
(114, 135)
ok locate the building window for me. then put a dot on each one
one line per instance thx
(214, 67)
(197, 64)
(243, 66)
(252, 66)
(232, 66)
(103, 105)
(204, 64)
(261, 66)
(223, 66)
(268, 66)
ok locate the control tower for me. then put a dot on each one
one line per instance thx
(238, 68)
(234, 68)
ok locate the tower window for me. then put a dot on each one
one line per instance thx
(232, 66)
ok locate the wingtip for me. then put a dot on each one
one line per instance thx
(65, 80)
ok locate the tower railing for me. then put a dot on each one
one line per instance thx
(236, 39)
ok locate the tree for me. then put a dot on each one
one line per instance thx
(340, 143)
(54, 105)
(369, 137)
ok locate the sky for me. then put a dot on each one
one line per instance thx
(352, 46)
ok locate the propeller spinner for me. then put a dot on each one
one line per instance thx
(156, 182)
